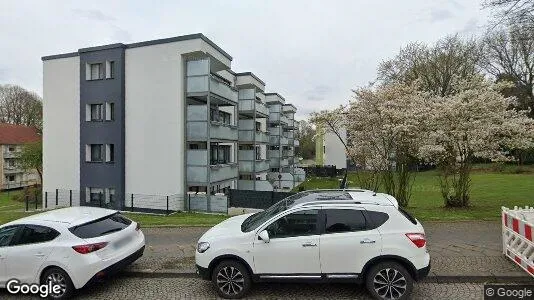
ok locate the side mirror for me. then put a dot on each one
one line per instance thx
(264, 236)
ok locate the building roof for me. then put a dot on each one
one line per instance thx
(17, 134)
(141, 44)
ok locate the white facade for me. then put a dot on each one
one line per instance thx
(334, 151)
(61, 124)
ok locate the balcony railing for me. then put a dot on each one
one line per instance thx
(287, 153)
(248, 105)
(11, 154)
(203, 83)
(296, 143)
(12, 170)
(248, 136)
(284, 162)
(274, 162)
(199, 174)
(198, 131)
(274, 153)
(247, 166)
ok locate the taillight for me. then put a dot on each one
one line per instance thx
(418, 239)
(137, 226)
(84, 249)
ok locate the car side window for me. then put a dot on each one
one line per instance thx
(6, 235)
(300, 223)
(344, 220)
(32, 234)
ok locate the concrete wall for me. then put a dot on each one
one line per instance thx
(61, 124)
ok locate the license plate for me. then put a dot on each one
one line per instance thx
(120, 243)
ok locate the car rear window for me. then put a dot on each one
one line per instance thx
(376, 219)
(407, 215)
(100, 227)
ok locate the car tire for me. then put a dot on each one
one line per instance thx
(389, 280)
(58, 276)
(231, 279)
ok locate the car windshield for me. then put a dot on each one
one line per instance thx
(259, 218)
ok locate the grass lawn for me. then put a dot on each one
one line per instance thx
(489, 191)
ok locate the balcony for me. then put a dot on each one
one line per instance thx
(296, 143)
(247, 166)
(250, 106)
(248, 136)
(274, 162)
(197, 168)
(284, 120)
(288, 153)
(284, 162)
(290, 134)
(11, 154)
(199, 85)
(197, 126)
(12, 170)
(274, 153)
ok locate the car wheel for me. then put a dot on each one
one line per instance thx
(57, 276)
(231, 279)
(389, 280)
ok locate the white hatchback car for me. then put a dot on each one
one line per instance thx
(69, 247)
(324, 235)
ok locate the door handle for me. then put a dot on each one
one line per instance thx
(39, 254)
(367, 241)
(309, 244)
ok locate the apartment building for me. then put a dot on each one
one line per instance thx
(12, 139)
(329, 150)
(161, 117)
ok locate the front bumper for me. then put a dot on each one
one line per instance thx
(116, 267)
(203, 272)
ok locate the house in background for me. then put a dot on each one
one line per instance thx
(146, 122)
(12, 138)
(329, 150)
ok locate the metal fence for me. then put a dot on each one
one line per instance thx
(255, 199)
(159, 204)
(323, 171)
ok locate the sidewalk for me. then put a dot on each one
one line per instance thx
(460, 252)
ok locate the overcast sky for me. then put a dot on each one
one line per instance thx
(311, 52)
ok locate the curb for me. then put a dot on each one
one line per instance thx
(429, 279)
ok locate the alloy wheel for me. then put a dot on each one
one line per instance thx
(230, 281)
(60, 280)
(389, 284)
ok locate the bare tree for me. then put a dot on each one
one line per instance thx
(511, 12)
(437, 67)
(509, 55)
(20, 106)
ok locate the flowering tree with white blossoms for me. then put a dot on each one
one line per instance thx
(388, 124)
(474, 122)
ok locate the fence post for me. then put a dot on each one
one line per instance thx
(132, 207)
(189, 202)
(35, 203)
(35, 196)
(57, 198)
(167, 205)
(70, 198)
(27, 203)
(46, 199)
(100, 199)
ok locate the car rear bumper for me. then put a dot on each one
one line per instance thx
(423, 272)
(116, 267)
(203, 272)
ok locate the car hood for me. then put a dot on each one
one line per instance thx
(228, 227)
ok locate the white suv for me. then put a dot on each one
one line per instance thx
(322, 235)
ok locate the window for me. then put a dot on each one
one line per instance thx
(97, 152)
(110, 111)
(344, 220)
(11, 149)
(301, 223)
(96, 112)
(110, 153)
(257, 151)
(95, 195)
(96, 71)
(408, 216)
(6, 235)
(110, 69)
(11, 162)
(32, 234)
(100, 227)
(376, 219)
(258, 126)
(111, 195)
(220, 116)
(220, 154)
(11, 178)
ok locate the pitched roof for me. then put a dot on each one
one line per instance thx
(17, 134)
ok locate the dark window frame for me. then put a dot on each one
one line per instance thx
(15, 234)
(318, 219)
(325, 221)
(101, 71)
(102, 153)
(18, 236)
(99, 112)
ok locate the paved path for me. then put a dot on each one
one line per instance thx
(468, 249)
(192, 288)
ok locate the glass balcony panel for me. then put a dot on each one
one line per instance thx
(197, 131)
(247, 94)
(197, 84)
(198, 67)
(197, 157)
(223, 90)
(223, 172)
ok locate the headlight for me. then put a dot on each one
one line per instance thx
(202, 247)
